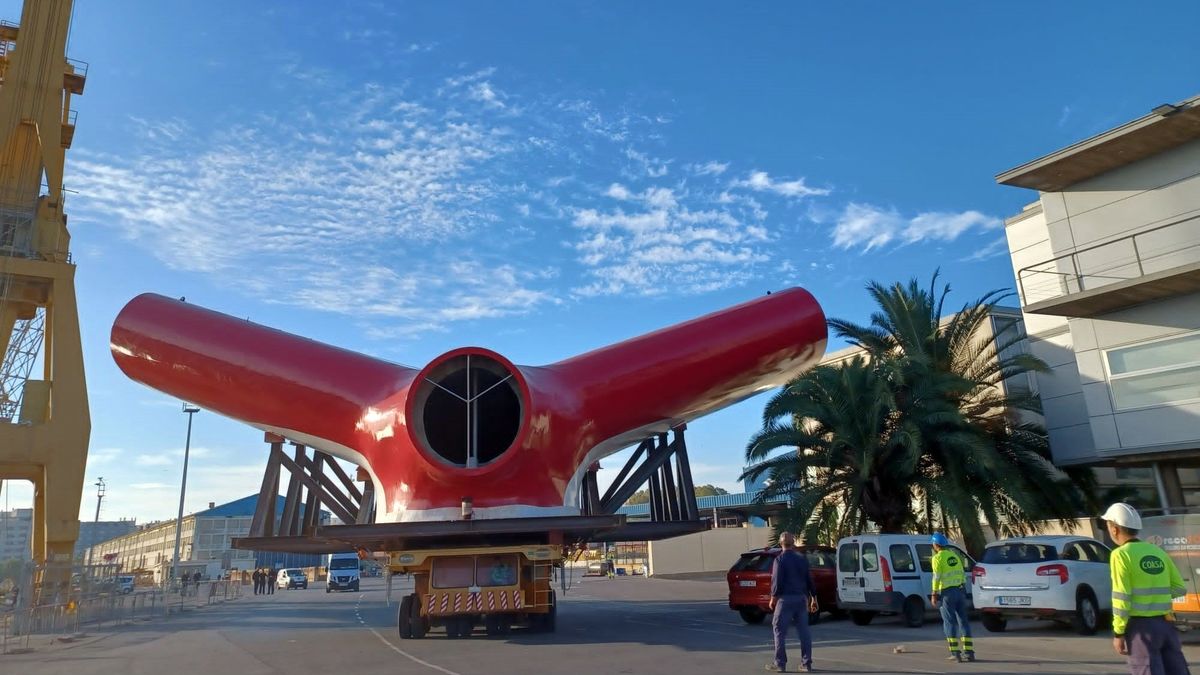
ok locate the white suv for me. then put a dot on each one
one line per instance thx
(1057, 578)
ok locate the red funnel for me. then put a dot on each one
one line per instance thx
(516, 439)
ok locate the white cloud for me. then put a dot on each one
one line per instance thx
(153, 460)
(996, 248)
(618, 191)
(709, 168)
(760, 181)
(651, 167)
(149, 486)
(944, 226)
(866, 226)
(358, 225)
(664, 240)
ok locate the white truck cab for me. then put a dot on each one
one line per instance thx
(342, 572)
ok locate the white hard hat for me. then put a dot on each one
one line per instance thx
(1124, 515)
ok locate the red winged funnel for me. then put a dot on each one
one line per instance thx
(515, 439)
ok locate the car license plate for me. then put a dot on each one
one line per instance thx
(1012, 600)
(853, 594)
(748, 584)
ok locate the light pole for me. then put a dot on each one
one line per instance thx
(95, 523)
(190, 409)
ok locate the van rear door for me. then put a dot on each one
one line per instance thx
(872, 571)
(850, 581)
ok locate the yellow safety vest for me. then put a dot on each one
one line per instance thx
(1144, 579)
(947, 570)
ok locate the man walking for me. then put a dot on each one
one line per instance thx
(793, 596)
(949, 588)
(258, 580)
(1144, 580)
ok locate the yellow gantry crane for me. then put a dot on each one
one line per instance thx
(44, 423)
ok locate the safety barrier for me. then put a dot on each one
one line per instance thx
(29, 619)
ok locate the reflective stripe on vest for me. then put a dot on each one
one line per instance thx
(1144, 579)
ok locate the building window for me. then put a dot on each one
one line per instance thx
(1155, 373)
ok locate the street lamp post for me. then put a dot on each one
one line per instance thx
(190, 409)
(95, 524)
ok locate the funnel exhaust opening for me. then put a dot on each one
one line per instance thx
(467, 410)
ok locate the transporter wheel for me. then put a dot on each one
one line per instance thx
(753, 615)
(418, 626)
(497, 624)
(914, 612)
(994, 623)
(404, 618)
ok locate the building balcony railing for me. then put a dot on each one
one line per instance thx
(1161, 262)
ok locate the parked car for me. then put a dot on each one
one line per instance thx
(291, 578)
(889, 574)
(598, 568)
(1059, 578)
(750, 582)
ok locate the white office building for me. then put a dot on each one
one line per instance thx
(1107, 262)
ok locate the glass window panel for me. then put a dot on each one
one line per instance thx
(456, 572)
(848, 558)
(925, 557)
(496, 570)
(1161, 354)
(902, 558)
(1182, 384)
(870, 558)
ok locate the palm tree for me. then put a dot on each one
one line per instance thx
(854, 449)
(948, 436)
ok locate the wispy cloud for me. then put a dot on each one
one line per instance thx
(866, 226)
(664, 240)
(997, 247)
(1064, 116)
(709, 168)
(760, 181)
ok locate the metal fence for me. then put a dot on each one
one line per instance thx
(32, 616)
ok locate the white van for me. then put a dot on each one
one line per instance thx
(889, 574)
(342, 572)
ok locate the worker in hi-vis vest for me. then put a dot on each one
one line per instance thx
(1144, 581)
(950, 589)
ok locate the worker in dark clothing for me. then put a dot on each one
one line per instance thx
(793, 596)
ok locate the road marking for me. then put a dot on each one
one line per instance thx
(410, 657)
(401, 652)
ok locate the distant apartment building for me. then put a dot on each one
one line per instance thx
(16, 532)
(1107, 263)
(93, 533)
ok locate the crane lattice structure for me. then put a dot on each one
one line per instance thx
(44, 422)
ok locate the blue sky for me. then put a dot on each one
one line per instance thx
(545, 178)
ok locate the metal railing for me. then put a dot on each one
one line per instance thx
(26, 624)
(1131, 257)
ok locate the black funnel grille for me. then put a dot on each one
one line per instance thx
(468, 410)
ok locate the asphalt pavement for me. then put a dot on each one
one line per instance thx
(622, 625)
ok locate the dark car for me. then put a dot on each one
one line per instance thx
(750, 581)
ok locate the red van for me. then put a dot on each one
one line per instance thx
(750, 581)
